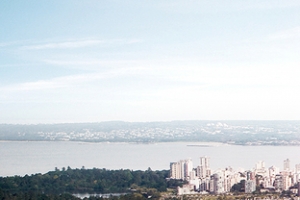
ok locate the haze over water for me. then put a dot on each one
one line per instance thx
(20, 158)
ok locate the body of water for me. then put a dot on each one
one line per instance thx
(30, 157)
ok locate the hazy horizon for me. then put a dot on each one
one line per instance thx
(92, 61)
(166, 121)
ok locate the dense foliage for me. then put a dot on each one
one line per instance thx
(35, 196)
(90, 181)
(65, 196)
(238, 187)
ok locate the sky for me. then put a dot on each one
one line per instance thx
(141, 60)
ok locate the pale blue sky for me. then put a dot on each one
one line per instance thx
(158, 60)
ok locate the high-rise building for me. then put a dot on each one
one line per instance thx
(203, 170)
(204, 161)
(205, 184)
(250, 182)
(298, 190)
(278, 183)
(286, 165)
(297, 168)
(286, 180)
(250, 186)
(260, 168)
(260, 165)
(181, 169)
(188, 168)
(273, 171)
(175, 170)
(218, 183)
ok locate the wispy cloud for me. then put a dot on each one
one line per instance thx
(61, 82)
(90, 62)
(77, 44)
(72, 80)
(63, 45)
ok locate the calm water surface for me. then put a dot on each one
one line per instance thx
(20, 158)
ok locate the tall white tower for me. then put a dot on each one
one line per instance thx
(181, 169)
(203, 170)
(204, 161)
(286, 165)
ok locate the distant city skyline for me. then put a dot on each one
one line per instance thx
(201, 179)
(93, 61)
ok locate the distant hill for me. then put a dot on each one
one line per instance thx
(231, 132)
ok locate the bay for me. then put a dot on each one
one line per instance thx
(31, 157)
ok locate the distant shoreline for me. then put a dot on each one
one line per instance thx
(245, 133)
(187, 143)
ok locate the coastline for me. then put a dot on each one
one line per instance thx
(188, 143)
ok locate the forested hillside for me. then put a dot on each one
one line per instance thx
(90, 181)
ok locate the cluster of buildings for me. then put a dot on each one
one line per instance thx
(202, 179)
(122, 134)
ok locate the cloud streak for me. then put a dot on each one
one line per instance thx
(64, 45)
(77, 44)
(89, 62)
(72, 80)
